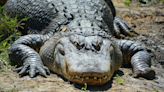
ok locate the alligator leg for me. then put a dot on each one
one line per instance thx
(23, 54)
(121, 28)
(139, 58)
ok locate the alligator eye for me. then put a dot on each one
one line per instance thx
(111, 49)
(82, 46)
(62, 52)
(97, 46)
(78, 46)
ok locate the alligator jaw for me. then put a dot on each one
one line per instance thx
(86, 59)
(89, 78)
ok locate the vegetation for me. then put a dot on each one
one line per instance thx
(84, 89)
(119, 80)
(149, 2)
(162, 1)
(127, 2)
(8, 33)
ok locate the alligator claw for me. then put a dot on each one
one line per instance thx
(122, 29)
(32, 70)
(47, 70)
(147, 73)
(18, 69)
(23, 70)
(42, 72)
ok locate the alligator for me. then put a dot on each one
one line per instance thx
(76, 39)
(2, 2)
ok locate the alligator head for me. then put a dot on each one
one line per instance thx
(82, 58)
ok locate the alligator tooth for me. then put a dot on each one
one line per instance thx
(95, 78)
(77, 77)
(82, 79)
(86, 78)
(105, 77)
(100, 80)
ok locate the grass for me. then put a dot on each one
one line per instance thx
(84, 88)
(162, 1)
(8, 33)
(155, 90)
(119, 80)
(127, 2)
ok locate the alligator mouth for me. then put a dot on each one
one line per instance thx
(89, 78)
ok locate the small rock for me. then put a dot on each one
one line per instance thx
(1, 65)
(159, 19)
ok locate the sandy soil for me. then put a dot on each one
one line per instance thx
(147, 21)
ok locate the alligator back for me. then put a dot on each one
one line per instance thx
(49, 15)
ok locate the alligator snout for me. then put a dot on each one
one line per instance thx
(85, 59)
(92, 66)
(92, 72)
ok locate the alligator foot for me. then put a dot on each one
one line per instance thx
(121, 28)
(32, 70)
(147, 73)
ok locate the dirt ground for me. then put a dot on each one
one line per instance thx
(147, 21)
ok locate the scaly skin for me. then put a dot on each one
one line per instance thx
(2, 2)
(75, 41)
